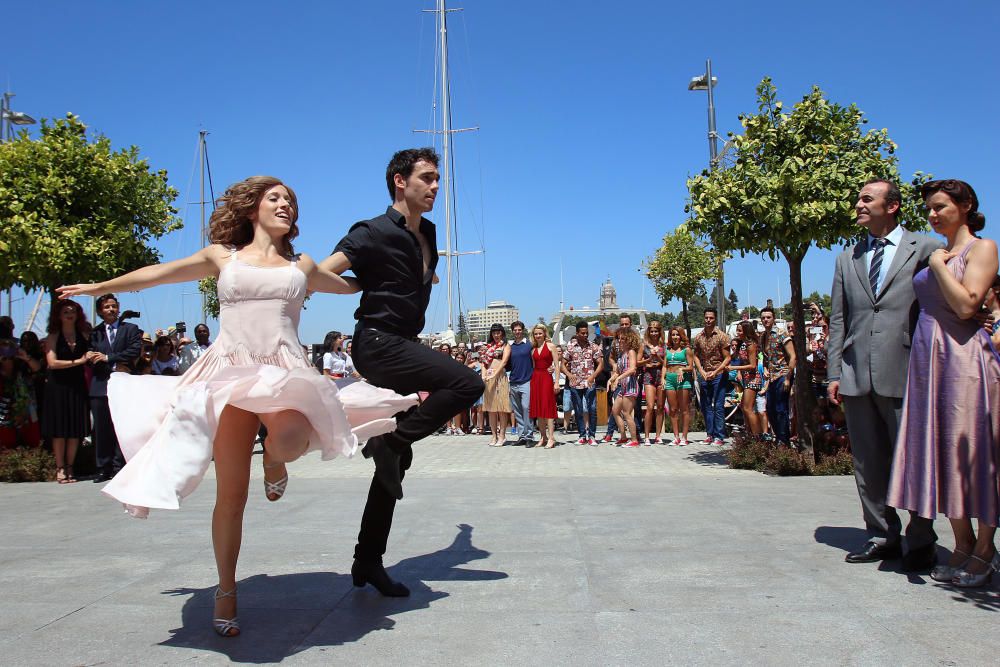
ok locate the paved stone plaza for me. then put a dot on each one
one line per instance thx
(573, 556)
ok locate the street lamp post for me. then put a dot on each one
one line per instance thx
(702, 82)
(8, 118)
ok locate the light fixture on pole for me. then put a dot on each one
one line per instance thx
(7, 119)
(701, 82)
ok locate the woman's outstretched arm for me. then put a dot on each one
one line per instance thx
(204, 263)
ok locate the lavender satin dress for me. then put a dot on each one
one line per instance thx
(946, 457)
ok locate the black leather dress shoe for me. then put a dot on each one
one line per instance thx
(102, 477)
(373, 573)
(921, 559)
(872, 552)
(386, 466)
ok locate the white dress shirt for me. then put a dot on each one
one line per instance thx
(893, 239)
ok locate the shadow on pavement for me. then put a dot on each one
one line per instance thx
(283, 615)
(715, 458)
(845, 538)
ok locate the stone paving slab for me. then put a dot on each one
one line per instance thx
(573, 556)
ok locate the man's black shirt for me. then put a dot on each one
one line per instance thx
(386, 258)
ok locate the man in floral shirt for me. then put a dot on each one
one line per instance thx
(582, 362)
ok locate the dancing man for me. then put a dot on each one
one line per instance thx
(393, 257)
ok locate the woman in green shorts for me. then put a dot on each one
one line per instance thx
(678, 382)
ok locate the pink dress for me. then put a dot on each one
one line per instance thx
(166, 425)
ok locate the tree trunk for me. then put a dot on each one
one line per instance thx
(805, 402)
(684, 313)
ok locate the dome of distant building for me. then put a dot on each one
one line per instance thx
(609, 298)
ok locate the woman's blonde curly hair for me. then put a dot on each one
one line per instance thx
(231, 222)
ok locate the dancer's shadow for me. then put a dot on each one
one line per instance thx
(283, 615)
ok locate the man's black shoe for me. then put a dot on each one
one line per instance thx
(386, 466)
(872, 552)
(102, 477)
(374, 574)
(921, 559)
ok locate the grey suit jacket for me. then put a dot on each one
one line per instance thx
(869, 342)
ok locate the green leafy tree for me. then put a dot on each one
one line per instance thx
(732, 307)
(463, 329)
(680, 268)
(209, 287)
(793, 185)
(73, 210)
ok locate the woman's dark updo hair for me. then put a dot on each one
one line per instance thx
(961, 193)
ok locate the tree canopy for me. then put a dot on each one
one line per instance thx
(72, 210)
(793, 185)
(680, 267)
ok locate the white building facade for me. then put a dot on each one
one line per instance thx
(478, 322)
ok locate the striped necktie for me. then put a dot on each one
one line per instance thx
(873, 272)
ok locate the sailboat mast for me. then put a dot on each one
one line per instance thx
(442, 13)
(201, 199)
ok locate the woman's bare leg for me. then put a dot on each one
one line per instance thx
(748, 404)
(660, 417)
(59, 452)
(685, 408)
(288, 434)
(233, 447)
(648, 419)
(675, 412)
(628, 416)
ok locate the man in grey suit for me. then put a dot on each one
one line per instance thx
(873, 316)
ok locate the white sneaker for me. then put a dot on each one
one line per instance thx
(718, 442)
(649, 442)
(683, 442)
(677, 441)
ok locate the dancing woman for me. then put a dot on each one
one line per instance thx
(255, 372)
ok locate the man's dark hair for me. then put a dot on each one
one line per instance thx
(6, 327)
(106, 297)
(402, 163)
(892, 194)
(711, 309)
(582, 325)
(516, 323)
(627, 316)
(767, 309)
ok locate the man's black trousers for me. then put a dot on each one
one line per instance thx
(406, 366)
(106, 449)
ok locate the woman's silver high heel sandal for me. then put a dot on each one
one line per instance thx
(226, 627)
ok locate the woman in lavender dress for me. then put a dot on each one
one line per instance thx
(946, 451)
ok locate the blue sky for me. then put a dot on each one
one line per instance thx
(588, 131)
